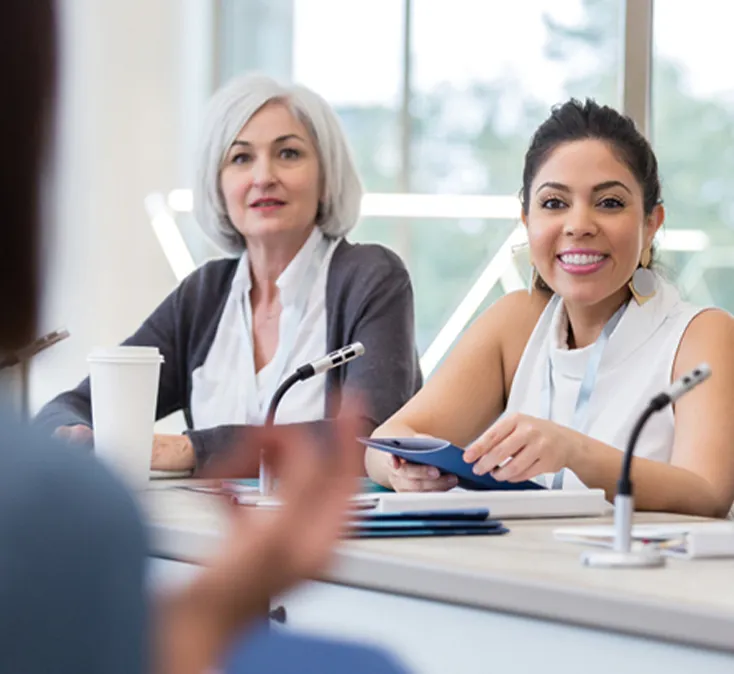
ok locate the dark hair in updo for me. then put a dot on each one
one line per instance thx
(574, 120)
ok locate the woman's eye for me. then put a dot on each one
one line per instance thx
(552, 203)
(289, 153)
(241, 158)
(611, 203)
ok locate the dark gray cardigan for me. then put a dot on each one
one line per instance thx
(369, 298)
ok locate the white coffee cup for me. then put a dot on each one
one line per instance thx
(124, 386)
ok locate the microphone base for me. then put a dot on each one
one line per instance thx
(266, 484)
(610, 559)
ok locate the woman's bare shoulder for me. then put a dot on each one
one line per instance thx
(508, 323)
(709, 336)
(516, 313)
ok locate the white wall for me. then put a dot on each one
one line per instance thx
(134, 76)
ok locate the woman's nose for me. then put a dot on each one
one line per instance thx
(262, 172)
(580, 222)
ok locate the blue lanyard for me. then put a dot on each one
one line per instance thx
(580, 420)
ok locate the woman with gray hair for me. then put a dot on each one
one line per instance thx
(277, 190)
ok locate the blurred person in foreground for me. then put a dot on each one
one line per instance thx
(72, 569)
(277, 190)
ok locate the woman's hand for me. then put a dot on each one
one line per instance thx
(316, 477)
(79, 434)
(172, 452)
(406, 476)
(265, 551)
(520, 447)
(403, 475)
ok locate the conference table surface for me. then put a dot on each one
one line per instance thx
(526, 572)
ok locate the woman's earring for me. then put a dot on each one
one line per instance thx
(642, 284)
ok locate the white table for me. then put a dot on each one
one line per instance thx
(477, 604)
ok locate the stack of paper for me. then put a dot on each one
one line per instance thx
(685, 540)
(504, 504)
(529, 504)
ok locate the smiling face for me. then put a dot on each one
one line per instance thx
(586, 222)
(270, 177)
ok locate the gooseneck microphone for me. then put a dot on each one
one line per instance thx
(622, 555)
(319, 366)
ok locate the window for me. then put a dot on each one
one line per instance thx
(439, 100)
(350, 53)
(693, 134)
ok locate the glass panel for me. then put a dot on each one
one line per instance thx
(337, 52)
(485, 79)
(255, 35)
(440, 281)
(693, 133)
(330, 46)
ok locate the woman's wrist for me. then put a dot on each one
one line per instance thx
(377, 466)
(577, 451)
(197, 623)
(173, 452)
(188, 638)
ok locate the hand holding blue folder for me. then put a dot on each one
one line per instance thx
(448, 458)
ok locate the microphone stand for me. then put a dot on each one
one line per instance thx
(334, 359)
(266, 478)
(622, 555)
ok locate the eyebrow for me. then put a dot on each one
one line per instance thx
(597, 188)
(279, 139)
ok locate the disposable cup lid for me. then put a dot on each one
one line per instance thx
(125, 354)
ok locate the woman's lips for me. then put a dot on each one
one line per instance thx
(267, 206)
(581, 262)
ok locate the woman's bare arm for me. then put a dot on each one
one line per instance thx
(469, 391)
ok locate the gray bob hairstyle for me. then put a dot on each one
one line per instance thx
(229, 110)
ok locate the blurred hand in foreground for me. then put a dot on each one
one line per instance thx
(266, 551)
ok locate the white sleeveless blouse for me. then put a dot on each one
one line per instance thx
(636, 365)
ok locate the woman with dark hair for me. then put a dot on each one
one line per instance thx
(547, 385)
(73, 596)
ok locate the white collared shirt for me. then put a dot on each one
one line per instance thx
(222, 388)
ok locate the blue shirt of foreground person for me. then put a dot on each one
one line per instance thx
(72, 563)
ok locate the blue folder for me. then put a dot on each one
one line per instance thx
(424, 532)
(379, 528)
(447, 458)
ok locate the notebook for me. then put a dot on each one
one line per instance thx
(447, 458)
